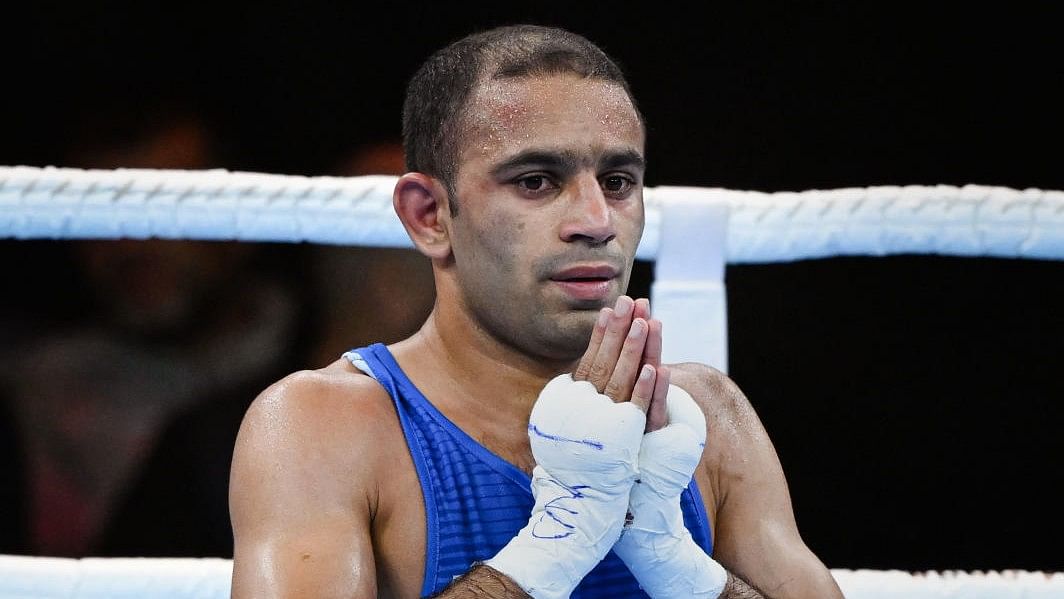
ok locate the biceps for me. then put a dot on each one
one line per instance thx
(757, 537)
(296, 534)
(324, 558)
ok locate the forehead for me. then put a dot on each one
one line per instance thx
(583, 114)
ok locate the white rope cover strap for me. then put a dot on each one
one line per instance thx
(972, 220)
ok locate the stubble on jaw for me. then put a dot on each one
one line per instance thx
(509, 302)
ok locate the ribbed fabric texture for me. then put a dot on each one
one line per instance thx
(475, 501)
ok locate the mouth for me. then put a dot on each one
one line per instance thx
(587, 282)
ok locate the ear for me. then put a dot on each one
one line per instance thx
(420, 201)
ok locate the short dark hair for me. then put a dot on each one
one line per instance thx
(437, 94)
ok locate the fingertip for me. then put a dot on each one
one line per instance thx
(603, 317)
(638, 328)
(643, 390)
(642, 308)
(646, 372)
(657, 413)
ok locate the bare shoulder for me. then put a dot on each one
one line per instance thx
(738, 449)
(304, 485)
(755, 535)
(331, 403)
(335, 420)
(337, 390)
(715, 392)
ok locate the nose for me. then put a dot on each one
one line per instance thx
(588, 216)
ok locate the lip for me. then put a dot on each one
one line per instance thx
(586, 271)
(589, 282)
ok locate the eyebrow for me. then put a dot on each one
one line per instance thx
(566, 162)
(623, 158)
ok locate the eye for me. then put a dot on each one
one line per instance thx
(534, 183)
(617, 185)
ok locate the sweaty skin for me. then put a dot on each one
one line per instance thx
(324, 499)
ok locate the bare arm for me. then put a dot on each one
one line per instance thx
(737, 588)
(298, 502)
(483, 581)
(755, 534)
(303, 494)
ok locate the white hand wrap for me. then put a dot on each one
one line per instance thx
(656, 546)
(586, 448)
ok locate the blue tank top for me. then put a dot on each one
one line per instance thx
(475, 501)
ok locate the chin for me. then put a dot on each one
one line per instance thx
(568, 340)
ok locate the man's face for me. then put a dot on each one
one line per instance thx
(550, 208)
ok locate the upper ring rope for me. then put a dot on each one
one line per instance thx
(972, 220)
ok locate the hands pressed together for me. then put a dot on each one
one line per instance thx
(615, 447)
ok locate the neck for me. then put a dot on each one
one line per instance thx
(453, 349)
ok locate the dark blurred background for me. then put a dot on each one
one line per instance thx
(915, 401)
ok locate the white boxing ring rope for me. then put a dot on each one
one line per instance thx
(973, 220)
(691, 234)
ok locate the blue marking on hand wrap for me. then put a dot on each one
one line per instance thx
(552, 508)
(534, 430)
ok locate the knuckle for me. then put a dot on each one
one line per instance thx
(599, 371)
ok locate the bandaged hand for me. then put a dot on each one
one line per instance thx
(656, 546)
(585, 431)
(585, 447)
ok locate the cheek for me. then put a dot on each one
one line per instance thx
(506, 239)
(630, 221)
(496, 243)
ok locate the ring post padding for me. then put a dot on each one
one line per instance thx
(688, 293)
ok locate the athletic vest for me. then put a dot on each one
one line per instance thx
(475, 501)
